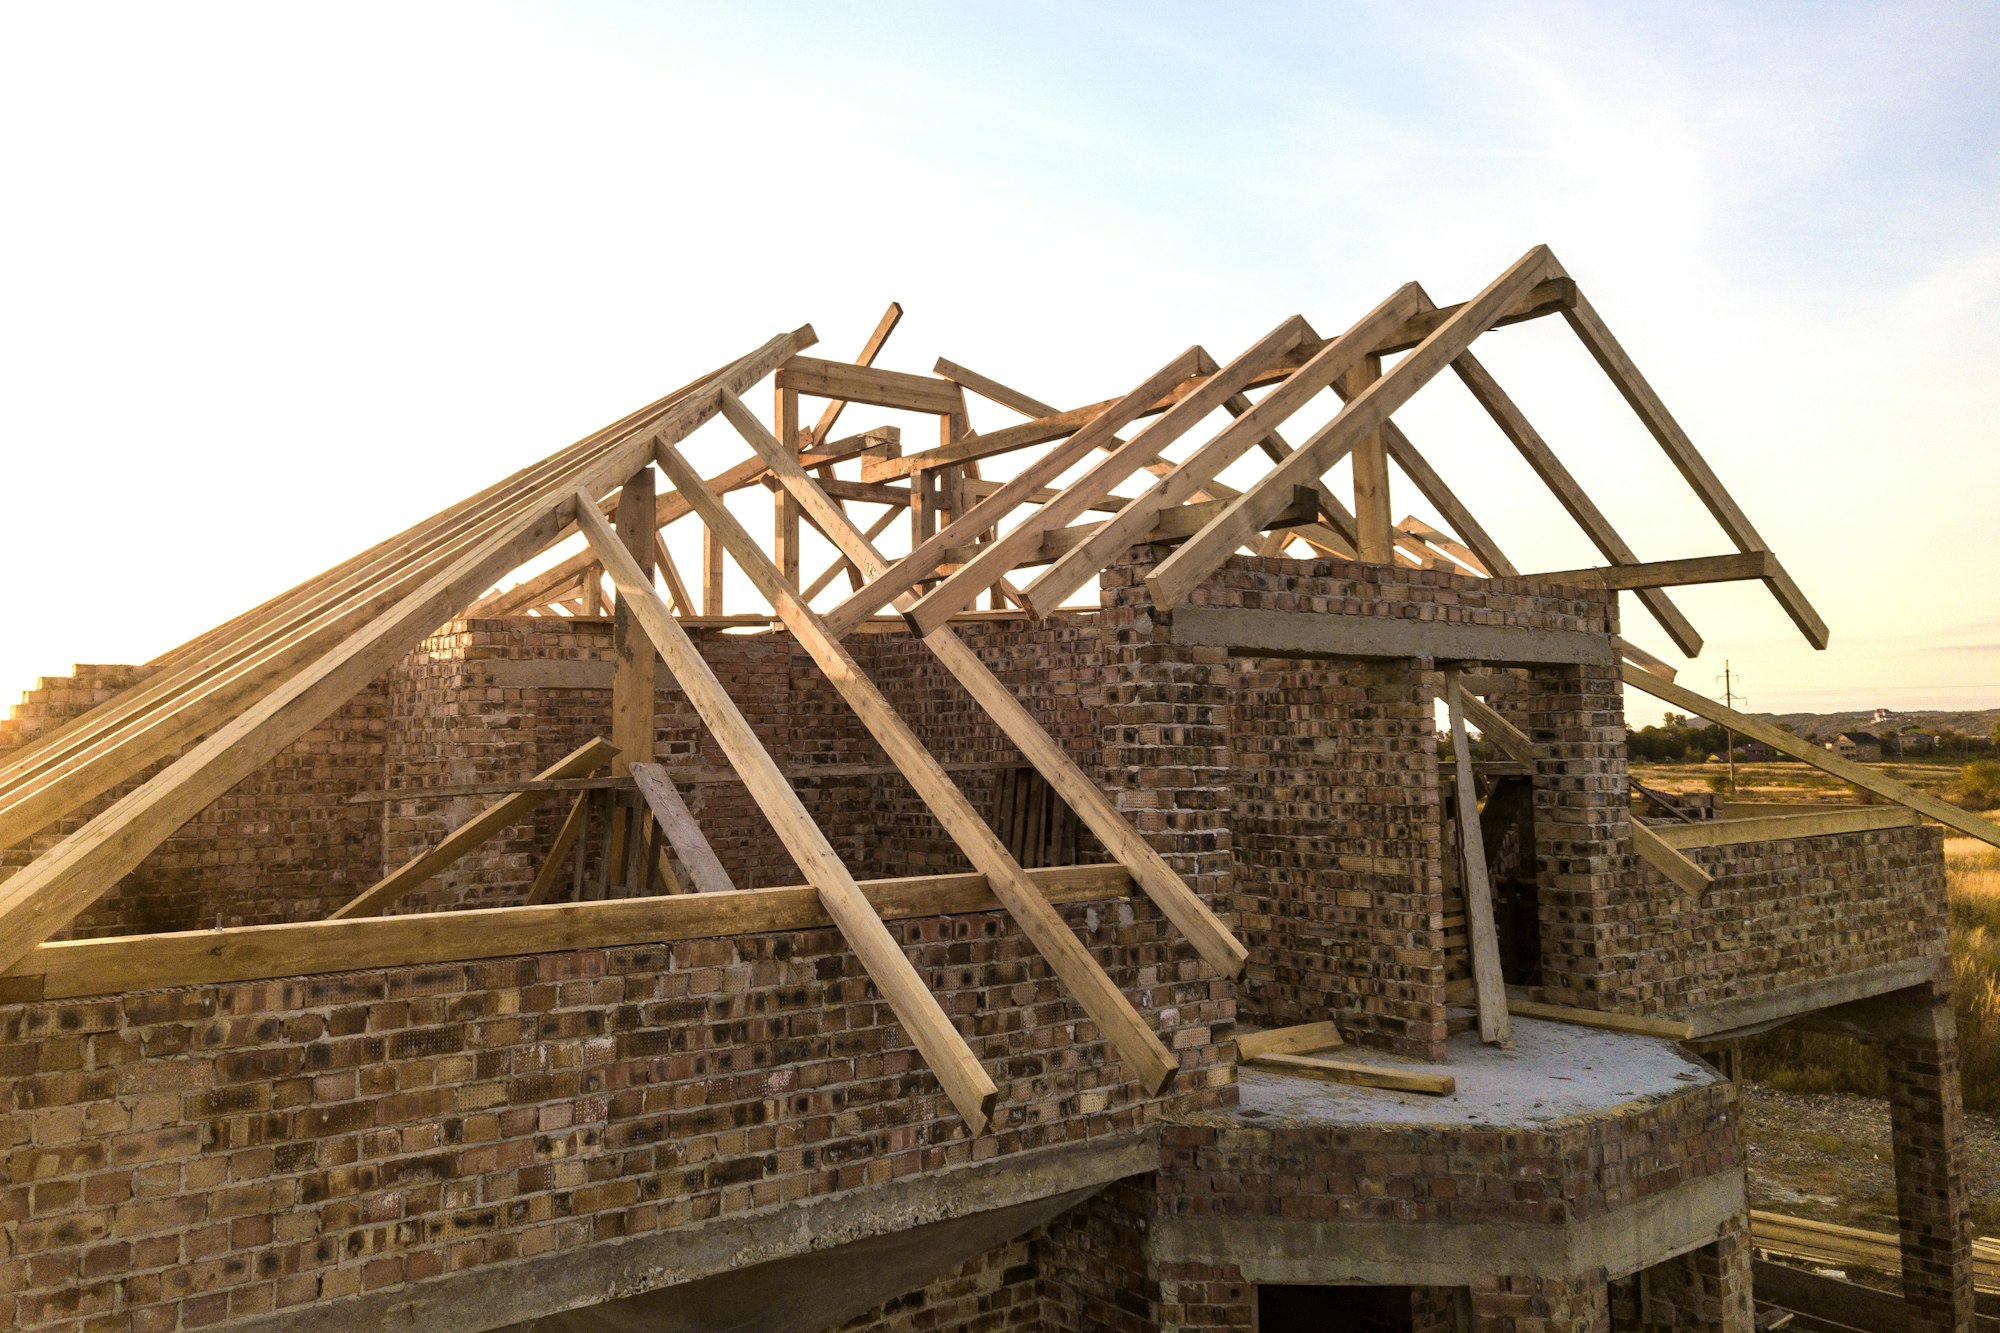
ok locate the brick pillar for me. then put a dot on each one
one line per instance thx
(1542, 1304)
(1166, 737)
(1576, 718)
(1706, 1289)
(1927, 1131)
(1097, 1273)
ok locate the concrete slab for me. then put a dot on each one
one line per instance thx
(1553, 1072)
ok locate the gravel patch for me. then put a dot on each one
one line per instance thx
(1826, 1156)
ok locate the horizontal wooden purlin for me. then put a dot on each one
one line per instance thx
(866, 384)
(864, 492)
(1668, 573)
(1546, 298)
(1777, 828)
(882, 442)
(125, 963)
(1182, 522)
(1330, 634)
(684, 776)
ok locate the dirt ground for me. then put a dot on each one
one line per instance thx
(1826, 1156)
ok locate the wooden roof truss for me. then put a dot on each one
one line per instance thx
(229, 700)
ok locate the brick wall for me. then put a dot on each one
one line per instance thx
(280, 845)
(1778, 914)
(218, 1151)
(1567, 1171)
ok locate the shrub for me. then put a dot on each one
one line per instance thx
(1979, 785)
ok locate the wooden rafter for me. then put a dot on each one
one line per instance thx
(971, 1090)
(474, 833)
(1180, 904)
(1151, 1063)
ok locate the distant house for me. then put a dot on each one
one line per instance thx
(1857, 745)
(1910, 742)
(1881, 715)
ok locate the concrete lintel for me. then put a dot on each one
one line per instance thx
(1452, 1254)
(1741, 1017)
(471, 1301)
(1338, 635)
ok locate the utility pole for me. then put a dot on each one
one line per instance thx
(1729, 700)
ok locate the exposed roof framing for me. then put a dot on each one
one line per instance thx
(229, 700)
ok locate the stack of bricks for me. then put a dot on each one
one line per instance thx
(186, 1156)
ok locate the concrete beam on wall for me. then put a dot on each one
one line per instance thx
(1266, 633)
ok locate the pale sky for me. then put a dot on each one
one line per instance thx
(281, 280)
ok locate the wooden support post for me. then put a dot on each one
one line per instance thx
(1494, 1027)
(632, 725)
(1375, 532)
(1151, 1063)
(581, 762)
(593, 592)
(711, 574)
(785, 538)
(957, 1068)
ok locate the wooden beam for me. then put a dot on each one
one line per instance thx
(1181, 572)
(558, 859)
(632, 656)
(839, 566)
(1782, 828)
(1449, 506)
(683, 834)
(1673, 1029)
(1784, 742)
(1334, 359)
(1044, 593)
(869, 351)
(1495, 727)
(785, 531)
(47, 895)
(219, 673)
(997, 557)
(1176, 901)
(1375, 536)
(1676, 866)
(1545, 299)
(1642, 659)
(1181, 522)
(711, 574)
(1667, 573)
(1338, 635)
(1357, 1072)
(1488, 984)
(677, 591)
(1300, 1039)
(475, 832)
(957, 1068)
(119, 963)
(865, 384)
(1528, 442)
(1151, 1063)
